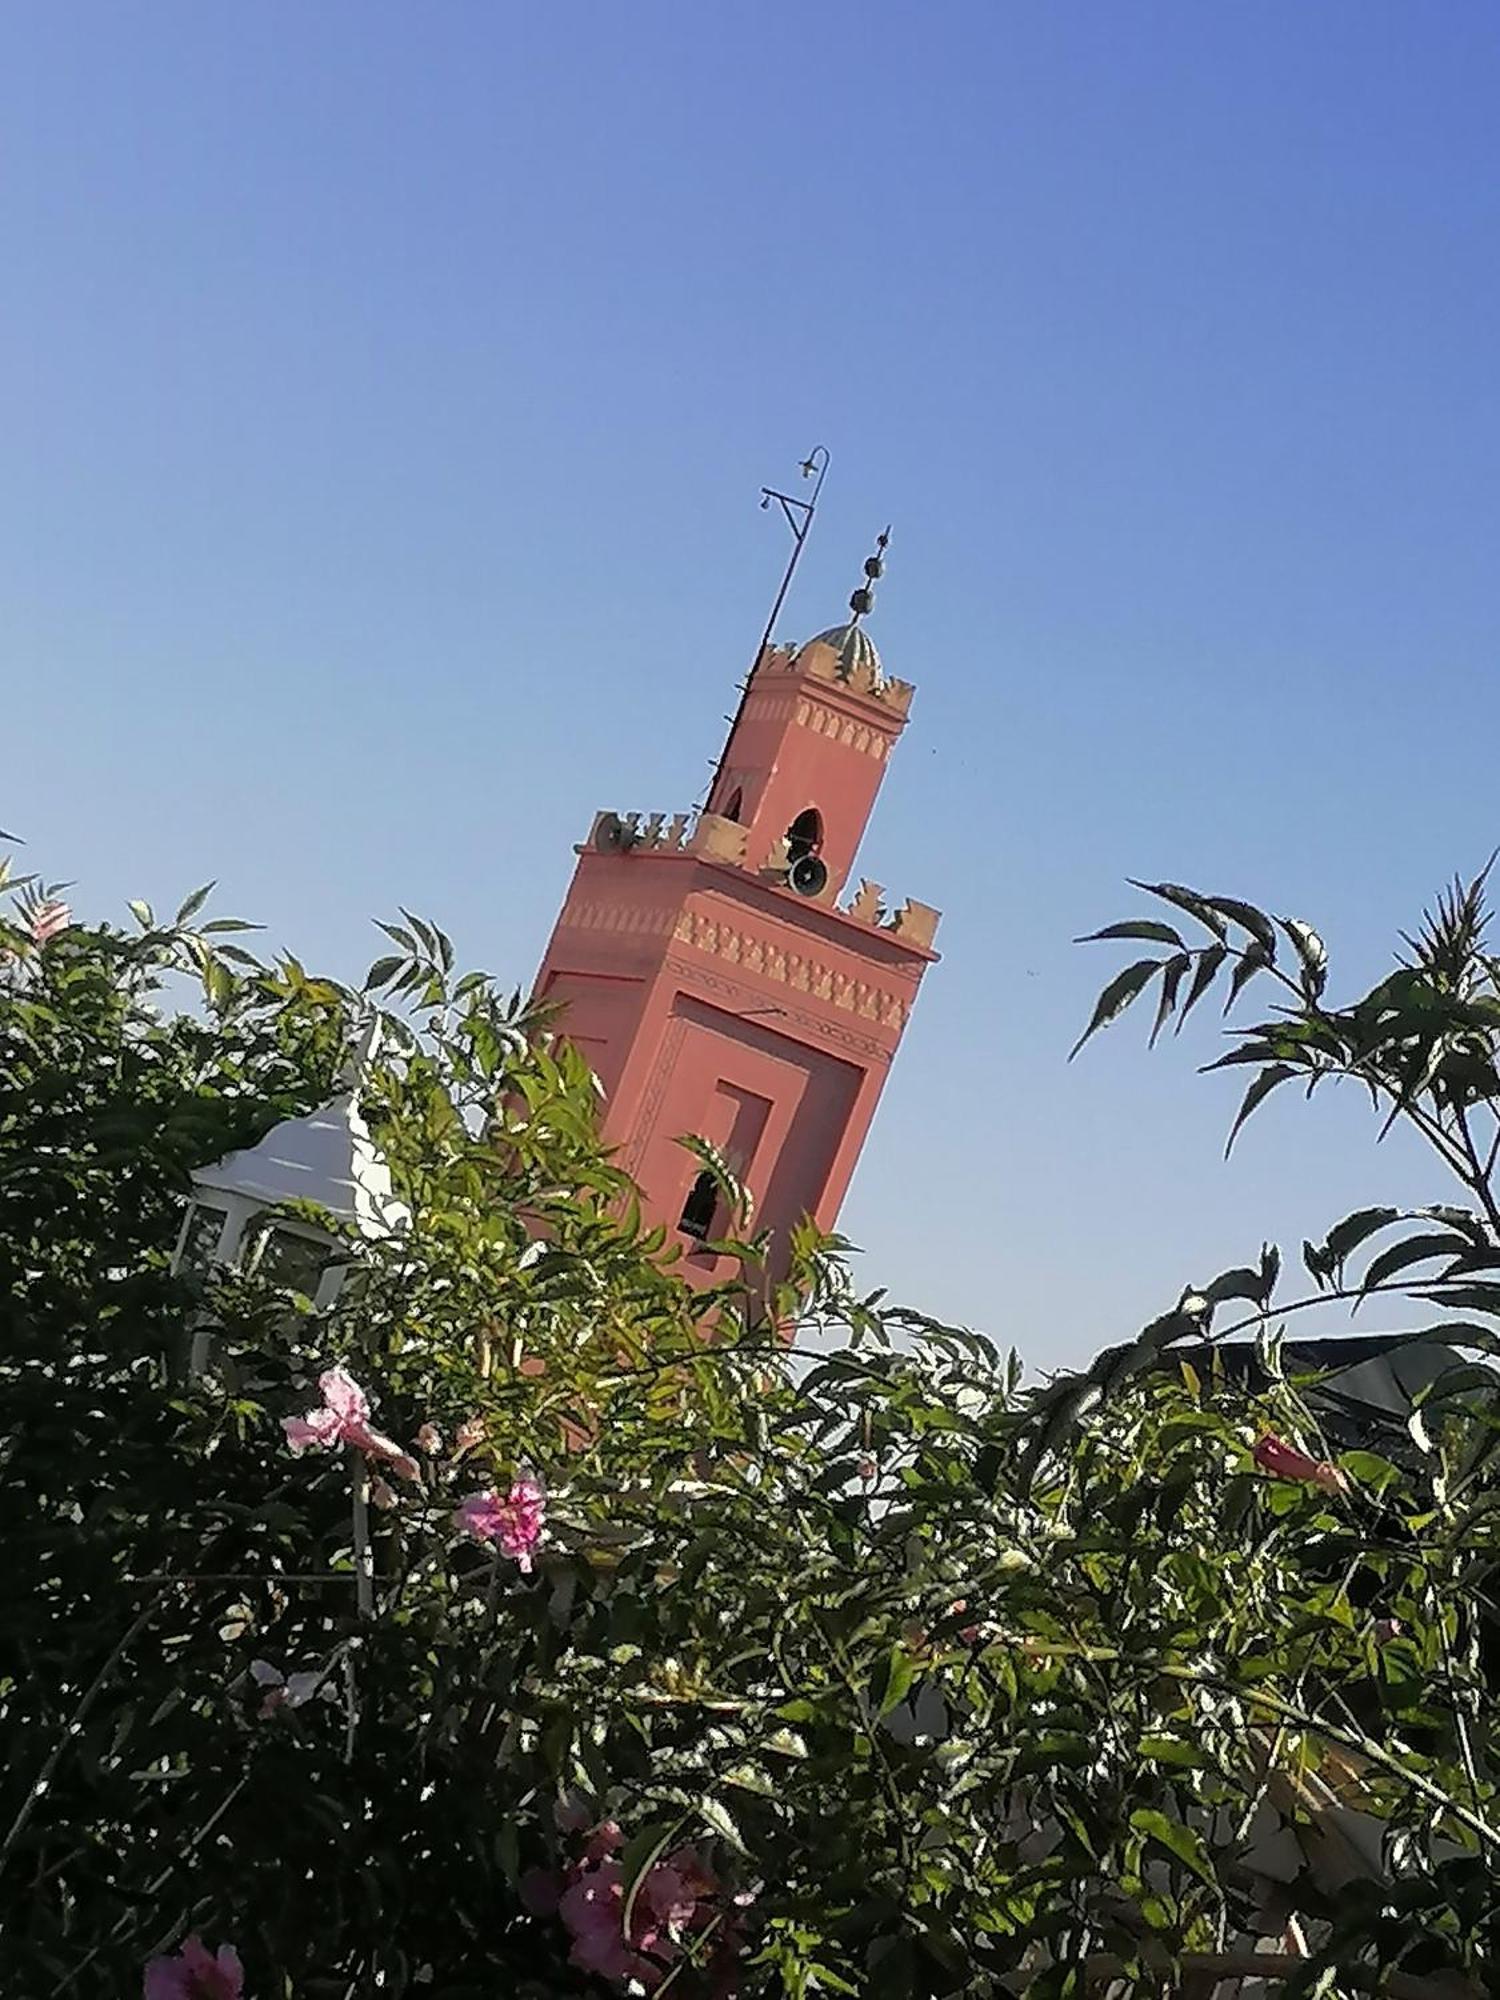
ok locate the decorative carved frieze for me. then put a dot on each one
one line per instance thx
(797, 970)
(736, 996)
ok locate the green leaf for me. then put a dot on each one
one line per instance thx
(1171, 980)
(1143, 929)
(785, 1743)
(1369, 1469)
(641, 1855)
(1256, 922)
(1260, 1089)
(1465, 1378)
(1171, 1750)
(1209, 961)
(1242, 1283)
(1117, 996)
(143, 915)
(382, 972)
(1346, 1236)
(1319, 1263)
(750, 1778)
(1411, 1250)
(1270, 1270)
(716, 1815)
(1177, 1839)
(1252, 960)
(1200, 907)
(192, 905)
(1313, 953)
(900, 1672)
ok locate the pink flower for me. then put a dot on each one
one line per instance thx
(430, 1440)
(514, 1520)
(677, 1901)
(195, 1974)
(47, 919)
(677, 1897)
(1274, 1455)
(284, 1691)
(592, 1908)
(608, 1837)
(345, 1419)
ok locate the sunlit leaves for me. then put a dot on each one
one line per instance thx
(1117, 996)
(957, 1679)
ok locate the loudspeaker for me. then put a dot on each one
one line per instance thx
(807, 876)
(612, 835)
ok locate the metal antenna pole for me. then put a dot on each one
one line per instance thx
(799, 518)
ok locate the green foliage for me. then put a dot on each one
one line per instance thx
(963, 1688)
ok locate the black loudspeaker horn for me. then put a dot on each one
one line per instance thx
(612, 835)
(807, 876)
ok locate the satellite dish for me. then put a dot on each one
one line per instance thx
(612, 835)
(807, 876)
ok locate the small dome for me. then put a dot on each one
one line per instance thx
(328, 1158)
(855, 650)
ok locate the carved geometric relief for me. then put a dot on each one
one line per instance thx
(796, 970)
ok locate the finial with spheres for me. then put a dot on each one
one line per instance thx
(862, 600)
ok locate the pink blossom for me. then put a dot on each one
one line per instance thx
(430, 1440)
(284, 1691)
(608, 1837)
(345, 1419)
(47, 919)
(196, 1974)
(677, 1897)
(592, 1908)
(1274, 1455)
(514, 1520)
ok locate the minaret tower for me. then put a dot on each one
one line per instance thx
(711, 967)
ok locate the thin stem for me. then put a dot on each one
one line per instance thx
(1461, 1721)
(131, 1918)
(1480, 1181)
(359, 1492)
(1331, 1297)
(267, 1576)
(59, 1748)
(1351, 1739)
(1103, 1970)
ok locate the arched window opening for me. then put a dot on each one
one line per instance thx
(699, 1209)
(735, 806)
(805, 835)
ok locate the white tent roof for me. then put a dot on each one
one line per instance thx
(328, 1157)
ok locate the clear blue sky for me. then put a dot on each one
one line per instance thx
(386, 391)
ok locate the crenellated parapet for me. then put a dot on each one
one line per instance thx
(844, 657)
(710, 837)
